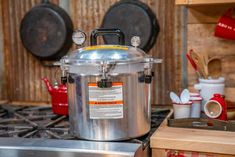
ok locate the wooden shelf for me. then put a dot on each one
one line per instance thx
(202, 2)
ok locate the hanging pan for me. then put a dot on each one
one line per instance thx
(133, 18)
(46, 31)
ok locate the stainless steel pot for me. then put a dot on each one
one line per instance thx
(109, 90)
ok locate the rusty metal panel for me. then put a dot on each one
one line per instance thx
(167, 47)
(24, 72)
(2, 74)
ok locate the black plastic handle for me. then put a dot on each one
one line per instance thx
(101, 32)
(45, 1)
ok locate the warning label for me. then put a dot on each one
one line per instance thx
(106, 103)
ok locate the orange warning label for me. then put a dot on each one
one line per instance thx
(106, 103)
(113, 84)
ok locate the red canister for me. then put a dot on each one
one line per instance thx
(216, 107)
(225, 27)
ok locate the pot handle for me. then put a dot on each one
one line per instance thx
(45, 1)
(101, 32)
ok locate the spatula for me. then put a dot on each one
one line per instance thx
(192, 63)
(201, 67)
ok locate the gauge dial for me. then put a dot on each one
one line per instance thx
(79, 37)
(135, 41)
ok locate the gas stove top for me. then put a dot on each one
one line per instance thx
(32, 122)
(22, 127)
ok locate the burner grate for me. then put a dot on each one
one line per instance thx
(40, 122)
(32, 122)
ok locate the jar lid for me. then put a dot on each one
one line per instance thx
(188, 103)
(196, 98)
(194, 94)
(107, 53)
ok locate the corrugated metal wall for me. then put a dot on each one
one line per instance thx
(23, 72)
(2, 75)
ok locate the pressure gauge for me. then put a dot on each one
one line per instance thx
(135, 41)
(79, 37)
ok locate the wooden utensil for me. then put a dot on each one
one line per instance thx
(192, 63)
(214, 68)
(201, 67)
(205, 61)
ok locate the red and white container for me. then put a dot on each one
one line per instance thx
(216, 107)
(182, 110)
(196, 106)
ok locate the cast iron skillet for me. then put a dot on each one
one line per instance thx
(46, 31)
(133, 18)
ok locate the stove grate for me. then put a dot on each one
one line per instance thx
(40, 122)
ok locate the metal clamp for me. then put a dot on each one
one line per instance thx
(104, 68)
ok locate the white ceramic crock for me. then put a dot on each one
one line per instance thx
(208, 87)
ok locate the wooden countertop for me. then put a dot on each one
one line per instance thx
(221, 142)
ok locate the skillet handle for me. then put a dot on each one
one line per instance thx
(101, 32)
(45, 1)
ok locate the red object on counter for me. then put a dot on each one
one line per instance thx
(225, 27)
(59, 98)
(172, 153)
(219, 100)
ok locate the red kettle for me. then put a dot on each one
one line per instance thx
(59, 98)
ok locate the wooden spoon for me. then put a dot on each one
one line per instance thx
(214, 68)
(201, 67)
(205, 61)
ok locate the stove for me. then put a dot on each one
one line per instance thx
(27, 131)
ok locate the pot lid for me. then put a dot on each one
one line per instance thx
(108, 54)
